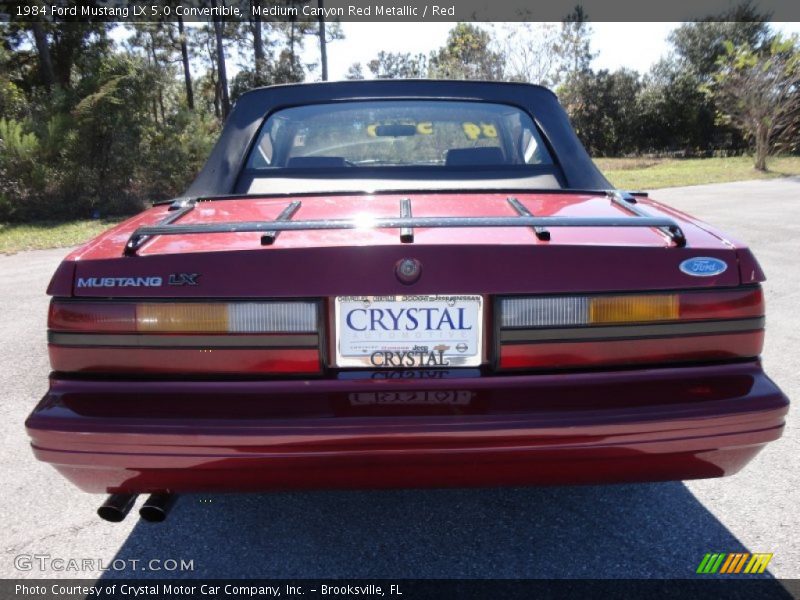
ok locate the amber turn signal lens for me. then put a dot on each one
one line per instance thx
(633, 309)
(570, 311)
(182, 318)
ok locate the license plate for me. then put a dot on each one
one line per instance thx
(402, 332)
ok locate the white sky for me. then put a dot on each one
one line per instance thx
(635, 45)
(632, 45)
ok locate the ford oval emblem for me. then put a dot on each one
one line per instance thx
(703, 266)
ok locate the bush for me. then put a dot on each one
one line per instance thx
(99, 150)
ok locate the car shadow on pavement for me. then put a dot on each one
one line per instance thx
(618, 531)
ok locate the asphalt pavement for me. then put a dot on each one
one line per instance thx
(643, 530)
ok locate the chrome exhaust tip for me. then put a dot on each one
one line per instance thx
(116, 507)
(157, 507)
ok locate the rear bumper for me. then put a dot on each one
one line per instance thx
(637, 425)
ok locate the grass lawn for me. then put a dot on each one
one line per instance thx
(34, 236)
(652, 173)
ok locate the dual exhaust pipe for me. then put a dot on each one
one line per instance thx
(154, 510)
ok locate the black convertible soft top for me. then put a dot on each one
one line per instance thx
(221, 172)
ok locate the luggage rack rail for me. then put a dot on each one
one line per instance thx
(405, 222)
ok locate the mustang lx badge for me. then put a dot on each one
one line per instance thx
(110, 282)
(183, 278)
(703, 266)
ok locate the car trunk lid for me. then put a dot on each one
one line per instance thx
(488, 260)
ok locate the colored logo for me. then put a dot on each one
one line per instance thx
(703, 266)
(735, 563)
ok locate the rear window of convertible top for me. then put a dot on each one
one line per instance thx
(397, 133)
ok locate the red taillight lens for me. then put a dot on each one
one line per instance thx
(95, 317)
(583, 354)
(730, 304)
(619, 329)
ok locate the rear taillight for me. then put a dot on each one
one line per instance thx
(597, 330)
(185, 337)
(183, 317)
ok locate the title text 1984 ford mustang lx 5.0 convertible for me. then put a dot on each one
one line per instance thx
(402, 284)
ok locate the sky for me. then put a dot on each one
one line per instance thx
(636, 45)
(633, 45)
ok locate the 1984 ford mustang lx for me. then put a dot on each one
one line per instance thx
(402, 284)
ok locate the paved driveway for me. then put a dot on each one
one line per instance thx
(649, 530)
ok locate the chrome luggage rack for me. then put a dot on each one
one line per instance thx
(406, 223)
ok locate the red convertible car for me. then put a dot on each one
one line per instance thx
(402, 284)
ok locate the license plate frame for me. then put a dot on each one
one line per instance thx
(456, 346)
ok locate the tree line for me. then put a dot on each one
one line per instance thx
(95, 120)
(98, 118)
